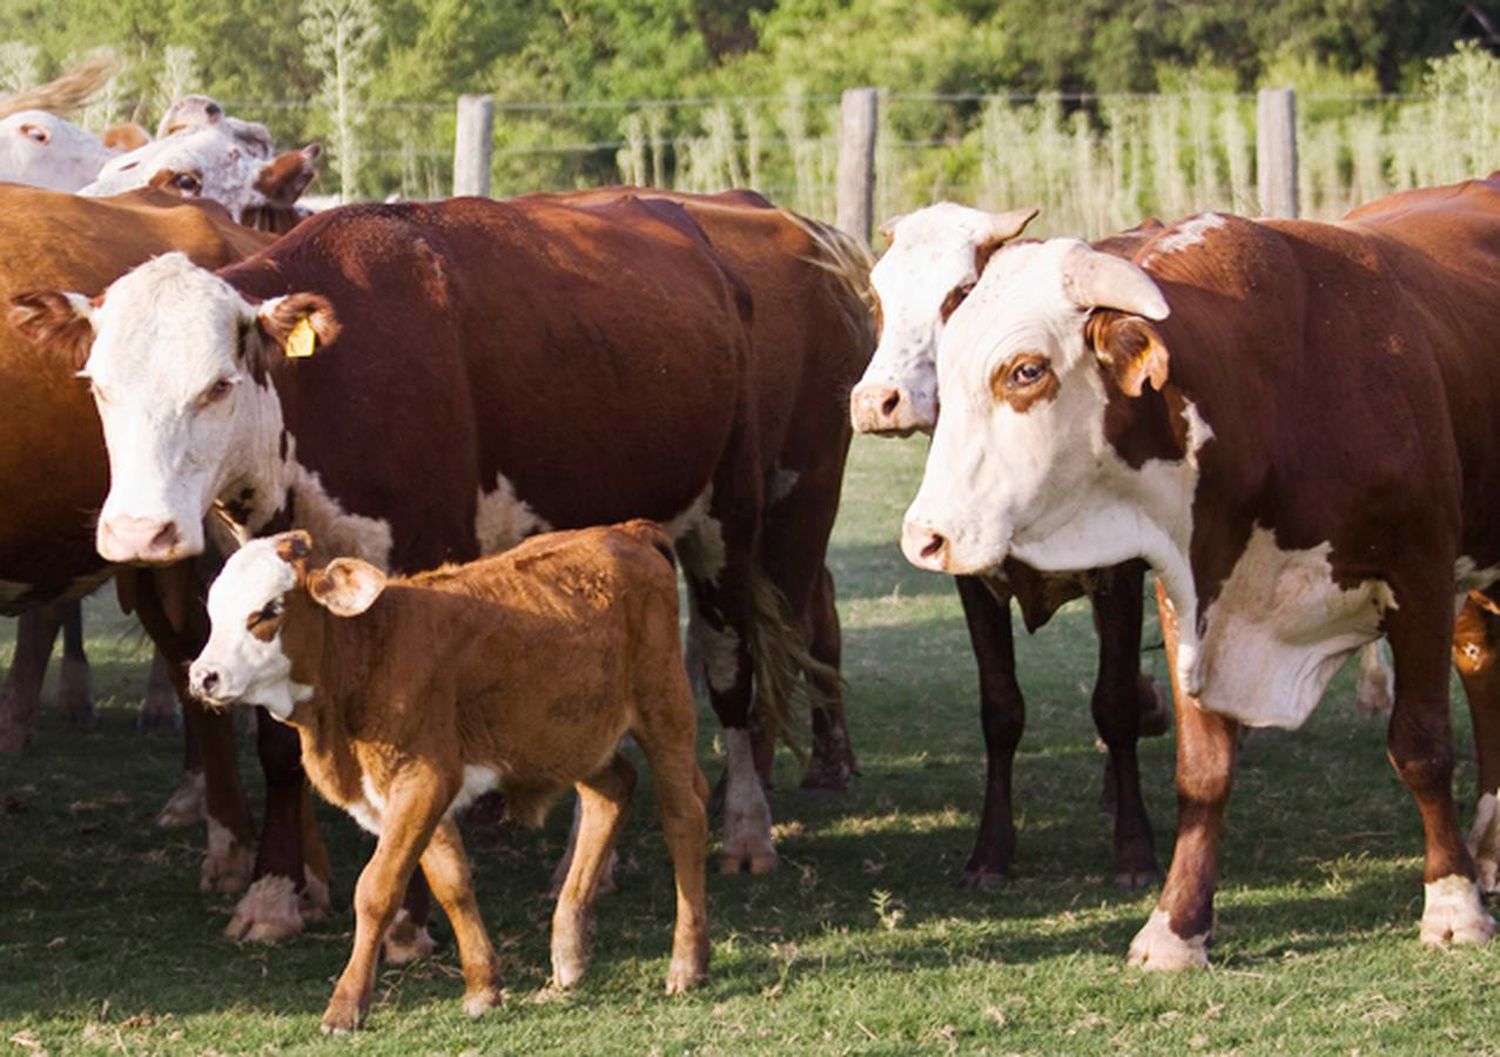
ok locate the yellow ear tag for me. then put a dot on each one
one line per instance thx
(302, 341)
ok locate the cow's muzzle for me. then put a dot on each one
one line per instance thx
(138, 540)
(887, 410)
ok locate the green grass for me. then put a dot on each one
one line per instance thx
(859, 943)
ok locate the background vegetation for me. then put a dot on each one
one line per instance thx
(1101, 111)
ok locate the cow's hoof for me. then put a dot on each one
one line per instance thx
(227, 864)
(1489, 875)
(757, 856)
(269, 912)
(406, 941)
(73, 696)
(481, 1000)
(981, 879)
(342, 1017)
(187, 806)
(684, 977)
(828, 775)
(569, 960)
(1146, 878)
(1156, 948)
(1454, 914)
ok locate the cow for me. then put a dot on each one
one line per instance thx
(1293, 423)
(519, 672)
(935, 255)
(543, 363)
(43, 150)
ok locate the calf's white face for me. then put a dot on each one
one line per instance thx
(42, 150)
(934, 260)
(177, 368)
(1019, 449)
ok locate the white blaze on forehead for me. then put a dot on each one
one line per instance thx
(42, 150)
(250, 670)
(226, 159)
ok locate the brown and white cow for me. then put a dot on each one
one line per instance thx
(481, 371)
(1293, 422)
(935, 256)
(519, 672)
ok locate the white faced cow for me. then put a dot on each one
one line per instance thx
(43, 150)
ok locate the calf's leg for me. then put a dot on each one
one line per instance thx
(447, 870)
(1176, 936)
(1476, 654)
(603, 798)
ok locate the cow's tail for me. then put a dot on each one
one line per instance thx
(786, 673)
(848, 262)
(68, 92)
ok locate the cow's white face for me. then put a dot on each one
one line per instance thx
(933, 262)
(1018, 456)
(243, 661)
(42, 150)
(221, 161)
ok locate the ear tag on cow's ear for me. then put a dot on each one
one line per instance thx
(302, 342)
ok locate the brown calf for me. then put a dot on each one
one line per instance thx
(519, 672)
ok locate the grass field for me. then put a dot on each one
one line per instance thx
(859, 943)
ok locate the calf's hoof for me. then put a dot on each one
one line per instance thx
(342, 1016)
(1156, 948)
(187, 804)
(1454, 914)
(981, 879)
(684, 977)
(269, 912)
(481, 1000)
(406, 941)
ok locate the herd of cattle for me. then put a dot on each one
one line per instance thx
(293, 449)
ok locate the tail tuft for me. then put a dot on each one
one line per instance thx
(66, 93)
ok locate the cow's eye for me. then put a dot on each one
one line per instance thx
(187, 183)
(218, 391)
(265, 622)
(1028, 372)
(36, 133)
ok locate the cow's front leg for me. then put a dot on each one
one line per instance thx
(271, 909)
(1177, 934)
(1476, 654)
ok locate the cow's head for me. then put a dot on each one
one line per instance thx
(226, 161)
(1051, 334)
(266, 603)
(43, 150)
(936, 255)
(178, 367)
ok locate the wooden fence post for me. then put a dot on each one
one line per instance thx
(473, 145)
(856, 186)
(1276, 151)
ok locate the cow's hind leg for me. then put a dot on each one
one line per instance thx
(831, 764)
(447, 870)
(1002, 717)
(36, 631)
(1119, 703)
(74, 696)
(1419, 740)
(160, 706)
(1176, 936)
(604, 799)
(1476, 654)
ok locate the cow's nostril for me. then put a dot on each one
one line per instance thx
(891, 402)
(209, 680)
(166, 538)
(934, 546)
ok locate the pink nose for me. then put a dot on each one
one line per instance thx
(137, 539)
(924, 546)
(877, 408)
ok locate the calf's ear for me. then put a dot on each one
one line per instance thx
(56, 318)
(299, 324)
(1130, 348)
(346, 587)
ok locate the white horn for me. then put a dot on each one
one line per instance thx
(1005, 226)
(1098, 280)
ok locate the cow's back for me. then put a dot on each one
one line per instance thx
(53, 471)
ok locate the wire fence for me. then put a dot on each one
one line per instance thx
(1093, 163)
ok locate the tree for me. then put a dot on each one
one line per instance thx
(341, 35)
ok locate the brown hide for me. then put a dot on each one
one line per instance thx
(53, 471)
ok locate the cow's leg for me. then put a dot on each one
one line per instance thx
(415, 802)
(36, 631)
(160, 707)
(1176, 936)
(604, 799)
(446, 868)
(1419, 741)
(831, 764)
(74, 696)
(1476, 654)
(270, 909)
(1119, 704)
(1002, 717)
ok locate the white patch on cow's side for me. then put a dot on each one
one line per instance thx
(477, 782)
(1157, 948)
(1184, 236)
(1467, 576)
(269, 912)
(1279, 631)
(1484, 842)
(503, 519)
(365, 815)
(405, 941)
(702, 551)
(689, 519)
(747, 816)
(226, 863)
(782, 483)
(1199, 432)
(1453, 912)
(1375, 691)
(715, 652)
(335, 531)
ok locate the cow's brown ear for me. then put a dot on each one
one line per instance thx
(346, 587)
(286, 176)
(55, 318)
(299, 324)
(295, 548)
(125, 136)
(1130, 348)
